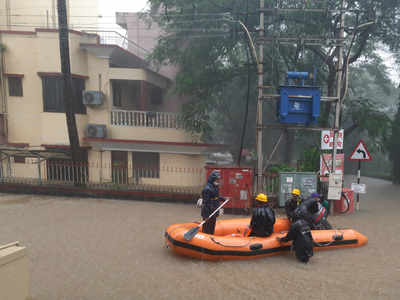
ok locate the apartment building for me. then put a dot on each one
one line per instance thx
(127, 117)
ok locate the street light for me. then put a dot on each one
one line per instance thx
(253, 48)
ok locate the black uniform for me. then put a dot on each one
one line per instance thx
(290, 207)
(302, 239)
(314, 213)
(262, 221)
(211, 201)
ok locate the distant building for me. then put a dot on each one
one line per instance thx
(30, 14)
(144, 37)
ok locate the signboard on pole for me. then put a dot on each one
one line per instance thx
(360, 152)
(327, 137)
(359, 188)
(335, 186)
(326, 165)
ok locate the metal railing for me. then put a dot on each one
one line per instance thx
(164, 178)
(150, 119)
(112, 37)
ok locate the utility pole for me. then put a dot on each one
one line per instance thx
(338, 90)
(67, 80)
(260, 71)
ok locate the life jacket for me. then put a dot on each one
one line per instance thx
(319, 215)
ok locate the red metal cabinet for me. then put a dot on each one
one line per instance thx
(345, 205)
(235, 183)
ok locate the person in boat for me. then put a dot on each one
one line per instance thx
(263, 218)
(211, 201)
(312, 211)
(292, 203)
(300, 234)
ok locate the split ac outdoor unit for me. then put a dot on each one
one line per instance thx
(94, 98)
(96, 131)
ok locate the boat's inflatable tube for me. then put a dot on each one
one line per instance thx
(228, 242)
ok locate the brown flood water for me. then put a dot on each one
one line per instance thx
(99, 249)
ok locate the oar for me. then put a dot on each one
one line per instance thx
(192, 232)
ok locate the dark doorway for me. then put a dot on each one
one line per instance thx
(119, 161)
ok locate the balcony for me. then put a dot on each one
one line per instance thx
(147, 119)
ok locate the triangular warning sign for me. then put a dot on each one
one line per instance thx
(360, 152)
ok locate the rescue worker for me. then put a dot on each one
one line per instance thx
(292, 203)
(263, 218)
(300, 234)
(312, 211)
(211, 201)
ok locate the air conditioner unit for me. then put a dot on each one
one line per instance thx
(96, 131)
(94, 98)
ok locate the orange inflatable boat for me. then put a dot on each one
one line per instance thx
(229, 241)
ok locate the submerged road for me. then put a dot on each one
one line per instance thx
(99, 249)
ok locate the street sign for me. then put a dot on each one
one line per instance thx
(327, 139)
(360, 152)
(359, 188)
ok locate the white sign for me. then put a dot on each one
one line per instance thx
(360, 152)
(359, 188)
(335, 186)
(327, 137)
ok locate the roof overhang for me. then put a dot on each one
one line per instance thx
(152, 146)
(40, 153)
(119, 57)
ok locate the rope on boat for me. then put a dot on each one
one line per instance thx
(235, 246)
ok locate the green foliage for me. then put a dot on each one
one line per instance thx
(210, 49)
(280, 168)
(394, 147)
(310, 160)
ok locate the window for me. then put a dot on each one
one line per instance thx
(146, 164)
(156, 95)
(53, 98)
(117, 94)
(15, 86)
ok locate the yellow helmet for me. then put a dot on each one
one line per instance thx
(262, 198)
(296, 192)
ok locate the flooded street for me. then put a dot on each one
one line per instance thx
(111, 249)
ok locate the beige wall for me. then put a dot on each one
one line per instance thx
(29, 14)
(27, 170)
(175, 169)
(27, 123)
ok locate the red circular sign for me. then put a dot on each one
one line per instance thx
(326, 138)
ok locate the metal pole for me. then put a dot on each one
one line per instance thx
(260, 103)
(338, 90)
(358, 182)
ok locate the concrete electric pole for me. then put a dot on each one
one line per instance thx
(67, 80)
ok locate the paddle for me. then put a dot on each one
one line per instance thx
(192, 232)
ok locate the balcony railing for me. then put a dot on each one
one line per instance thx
(149, 119)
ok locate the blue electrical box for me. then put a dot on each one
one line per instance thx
(299, 103)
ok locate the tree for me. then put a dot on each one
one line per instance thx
(395, 147)
(211, 51)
